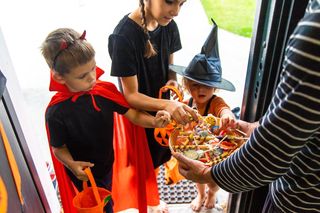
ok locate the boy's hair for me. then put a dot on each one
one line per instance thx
(65, 49)
(150, 50)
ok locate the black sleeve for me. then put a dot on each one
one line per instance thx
(119, 109)
(175, 42)
(57, 131)
(122, 54)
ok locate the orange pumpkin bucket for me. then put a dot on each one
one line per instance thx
(161, 135)
(91, 199)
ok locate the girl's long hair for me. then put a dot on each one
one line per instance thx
(149, 49)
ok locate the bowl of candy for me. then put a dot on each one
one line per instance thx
(205, 141)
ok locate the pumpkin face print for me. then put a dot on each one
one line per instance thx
(161, 135)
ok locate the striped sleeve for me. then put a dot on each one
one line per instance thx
(289, 133)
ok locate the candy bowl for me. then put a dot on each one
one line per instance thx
(205, 144)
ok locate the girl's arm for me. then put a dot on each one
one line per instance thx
(172, 75)
(76, 167)
(178, 111)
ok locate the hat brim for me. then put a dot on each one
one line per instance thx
(224, 84)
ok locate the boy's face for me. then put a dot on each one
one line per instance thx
(81, 78)
(200, 93)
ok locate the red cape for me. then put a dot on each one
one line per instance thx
(134, 181)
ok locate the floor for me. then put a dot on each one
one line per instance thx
(178, 208)
(185, 208)
(180, 195)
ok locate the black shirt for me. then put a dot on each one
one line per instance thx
(87, 133)
(126, 49)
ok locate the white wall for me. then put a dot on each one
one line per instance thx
(16, 96)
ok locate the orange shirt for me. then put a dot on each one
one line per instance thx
(216, 106)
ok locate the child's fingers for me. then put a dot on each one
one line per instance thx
(84, 164)
(166, 115)
(191, 112)
(164, 123)
(81, 175)
(232, 123)
(164, 119)
(168, 118)
(224, 121)
(163, 114)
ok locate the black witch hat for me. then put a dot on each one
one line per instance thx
(205, 67)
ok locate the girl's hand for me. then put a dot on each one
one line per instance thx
(180, 112)
(162, 118)
(77, 168)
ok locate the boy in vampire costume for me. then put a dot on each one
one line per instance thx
(88, 123)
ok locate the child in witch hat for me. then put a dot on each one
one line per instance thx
(202, 78)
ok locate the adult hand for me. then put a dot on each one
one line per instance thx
(246, 127)
(194, 170)
(180, 112)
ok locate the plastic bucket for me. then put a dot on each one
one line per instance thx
(161, 135)
(91, 199)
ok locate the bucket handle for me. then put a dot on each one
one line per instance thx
(172, 88)
(93, 185)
